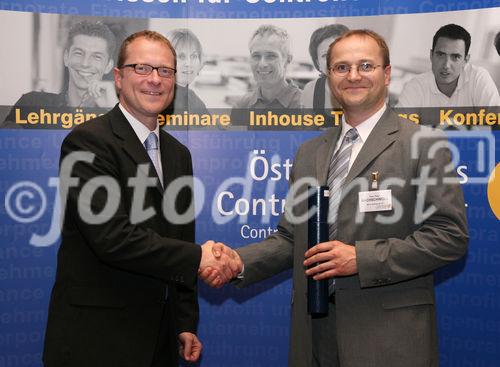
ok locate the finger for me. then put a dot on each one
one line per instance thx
(186, 353)
(320, 268)
(196, 350)
(226, 271)
(213, 279)
(217, 250)
(331, 273)
(320, 247)
(319, 258)
(205, 273)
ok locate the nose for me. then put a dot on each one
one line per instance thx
(154, 78)
(353, 74)
(85, 60)
(263, 61)
(447, 62)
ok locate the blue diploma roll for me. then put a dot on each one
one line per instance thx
(317, 232)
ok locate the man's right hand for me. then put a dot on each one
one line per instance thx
(219, 264)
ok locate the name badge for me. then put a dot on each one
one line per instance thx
(375, 201)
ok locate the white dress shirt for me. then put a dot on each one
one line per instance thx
(142, 133)
(364, 129)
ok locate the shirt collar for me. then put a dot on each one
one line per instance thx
(364, 128)
(284, 97)
(463, 79)
(140, 129)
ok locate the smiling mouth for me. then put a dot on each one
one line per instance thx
(151, 93)
(85, 74)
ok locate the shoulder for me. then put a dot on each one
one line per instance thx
(295, 94)
(413, 135)
(306, 99)
(421, 79)
(40, 99)
(245, 100)
(174, 144)
(311, 145)
(478, 73)
(90, 134)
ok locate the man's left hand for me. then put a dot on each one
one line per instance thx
(333, 258)
(189, 346)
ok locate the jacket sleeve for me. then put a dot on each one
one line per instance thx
(115, 240)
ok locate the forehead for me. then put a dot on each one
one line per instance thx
(450, 46)
(266, 43)
(356, 48)
(187, 45)
(146, 51)
(89, 43)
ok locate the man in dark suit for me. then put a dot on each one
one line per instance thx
(125, 289)
(396, 214)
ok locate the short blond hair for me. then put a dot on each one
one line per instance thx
(150, 35)
(363, 33)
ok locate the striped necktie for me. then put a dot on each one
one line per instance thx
(337, 172)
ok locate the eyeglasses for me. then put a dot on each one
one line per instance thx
(145, 69)
(364, 68)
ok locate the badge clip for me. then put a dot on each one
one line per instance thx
(375, 177)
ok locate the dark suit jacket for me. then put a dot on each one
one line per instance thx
(385, 314)
(108, 301)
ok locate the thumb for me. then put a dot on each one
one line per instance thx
(217, 249)
(188, 343)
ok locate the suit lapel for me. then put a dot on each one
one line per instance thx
(324, 153)
(382, 135)
(131, 143)
(167, 159)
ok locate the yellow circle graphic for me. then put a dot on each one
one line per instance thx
(494, 191)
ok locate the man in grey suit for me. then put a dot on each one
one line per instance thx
(399, 217)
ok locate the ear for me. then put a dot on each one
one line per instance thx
(430, 54)
(117, 73)
(109, 66)
(387, 75)
(65, 58)
(467, 57)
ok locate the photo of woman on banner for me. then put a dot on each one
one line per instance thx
(316, 93)
(189, 64)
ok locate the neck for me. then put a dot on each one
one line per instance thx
(149, 122)
(355, 116)
(75, 96)
(270, 92)
(448, 88)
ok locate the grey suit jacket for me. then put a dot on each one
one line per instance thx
(385, 313)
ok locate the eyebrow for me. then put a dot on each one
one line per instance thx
(444, 53)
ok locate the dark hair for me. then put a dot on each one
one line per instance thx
(150, 35)
(497, 42)
(93, 29)
(454, 32)
(363, 33)
(321, 34)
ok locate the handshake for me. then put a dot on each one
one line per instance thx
(219, 264)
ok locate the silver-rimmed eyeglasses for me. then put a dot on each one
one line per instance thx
(364, 68)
